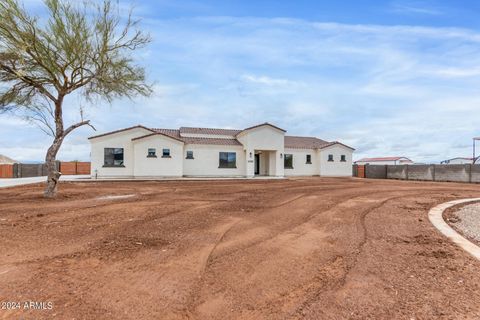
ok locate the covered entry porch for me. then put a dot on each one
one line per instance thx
(265, 163)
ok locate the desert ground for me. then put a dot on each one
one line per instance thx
(302, 248)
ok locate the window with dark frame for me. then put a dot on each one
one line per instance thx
(343, 158)
(330, 157)
(227, 160)
(189, 155)
(152, 153)
(288, 161)
(166, 153)
(113, 157)
(309, 159)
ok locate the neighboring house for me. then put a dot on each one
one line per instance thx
(385, 160)
(458, 160)
(6, 160)
(262, 150)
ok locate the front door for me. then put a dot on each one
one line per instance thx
(257, 164)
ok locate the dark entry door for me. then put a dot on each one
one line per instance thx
(257, 164)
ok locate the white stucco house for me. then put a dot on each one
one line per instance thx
(458, 160)
(384, 160)
(261, 150)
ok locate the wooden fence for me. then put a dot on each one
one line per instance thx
(74, 168)
(24, 170)
(6, 170)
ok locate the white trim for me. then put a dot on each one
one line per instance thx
(435, 215)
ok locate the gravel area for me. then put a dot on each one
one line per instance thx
(467, 221)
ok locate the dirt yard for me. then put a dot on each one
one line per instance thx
(312, 248)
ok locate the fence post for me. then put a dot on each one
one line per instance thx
(406, 172)
(433, 173)
(470, 173)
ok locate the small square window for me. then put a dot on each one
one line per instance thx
(309, 159)
(152, 153)
(166, 153)
(343, 158)
(330, 157)
(189, 155)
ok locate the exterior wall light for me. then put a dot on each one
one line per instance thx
(250, 154)
(281, 155)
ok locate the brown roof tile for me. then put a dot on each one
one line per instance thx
(211, 141)
(304, 142)
(212, 131)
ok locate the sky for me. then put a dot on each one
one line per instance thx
(389, 78)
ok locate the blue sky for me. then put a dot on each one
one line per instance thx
(386, 77)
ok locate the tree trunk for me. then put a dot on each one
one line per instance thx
(53, 173)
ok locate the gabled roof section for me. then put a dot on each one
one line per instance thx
(335, 143)
(157, 134)
(261, 125)
(121, 130)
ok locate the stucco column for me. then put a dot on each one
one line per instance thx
(279, 167)
(250, 165)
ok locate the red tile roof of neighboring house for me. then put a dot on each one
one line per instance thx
(382, 159)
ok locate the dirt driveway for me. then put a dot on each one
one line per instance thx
(306, 248)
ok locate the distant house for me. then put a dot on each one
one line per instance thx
(6, 160)
(384, 160)
(458, 160)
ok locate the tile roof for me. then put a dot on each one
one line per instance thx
(304, 142)
(212, 131)
(290, 141)
(264, 124)
(212, 141)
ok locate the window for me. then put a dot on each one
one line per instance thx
(309, 159)
(343, 158)
(113, 157)
(330, 157)
(189, 155)
(288, 161)
(166, 153)
(227, 160)
(152, 153)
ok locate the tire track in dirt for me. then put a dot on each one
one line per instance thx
(346, 263)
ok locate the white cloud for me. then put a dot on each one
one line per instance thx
(385, 90)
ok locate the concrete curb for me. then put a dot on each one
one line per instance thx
(435, 215)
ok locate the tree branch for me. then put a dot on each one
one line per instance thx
(77, 125)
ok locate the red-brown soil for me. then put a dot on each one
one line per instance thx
(306, 248)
